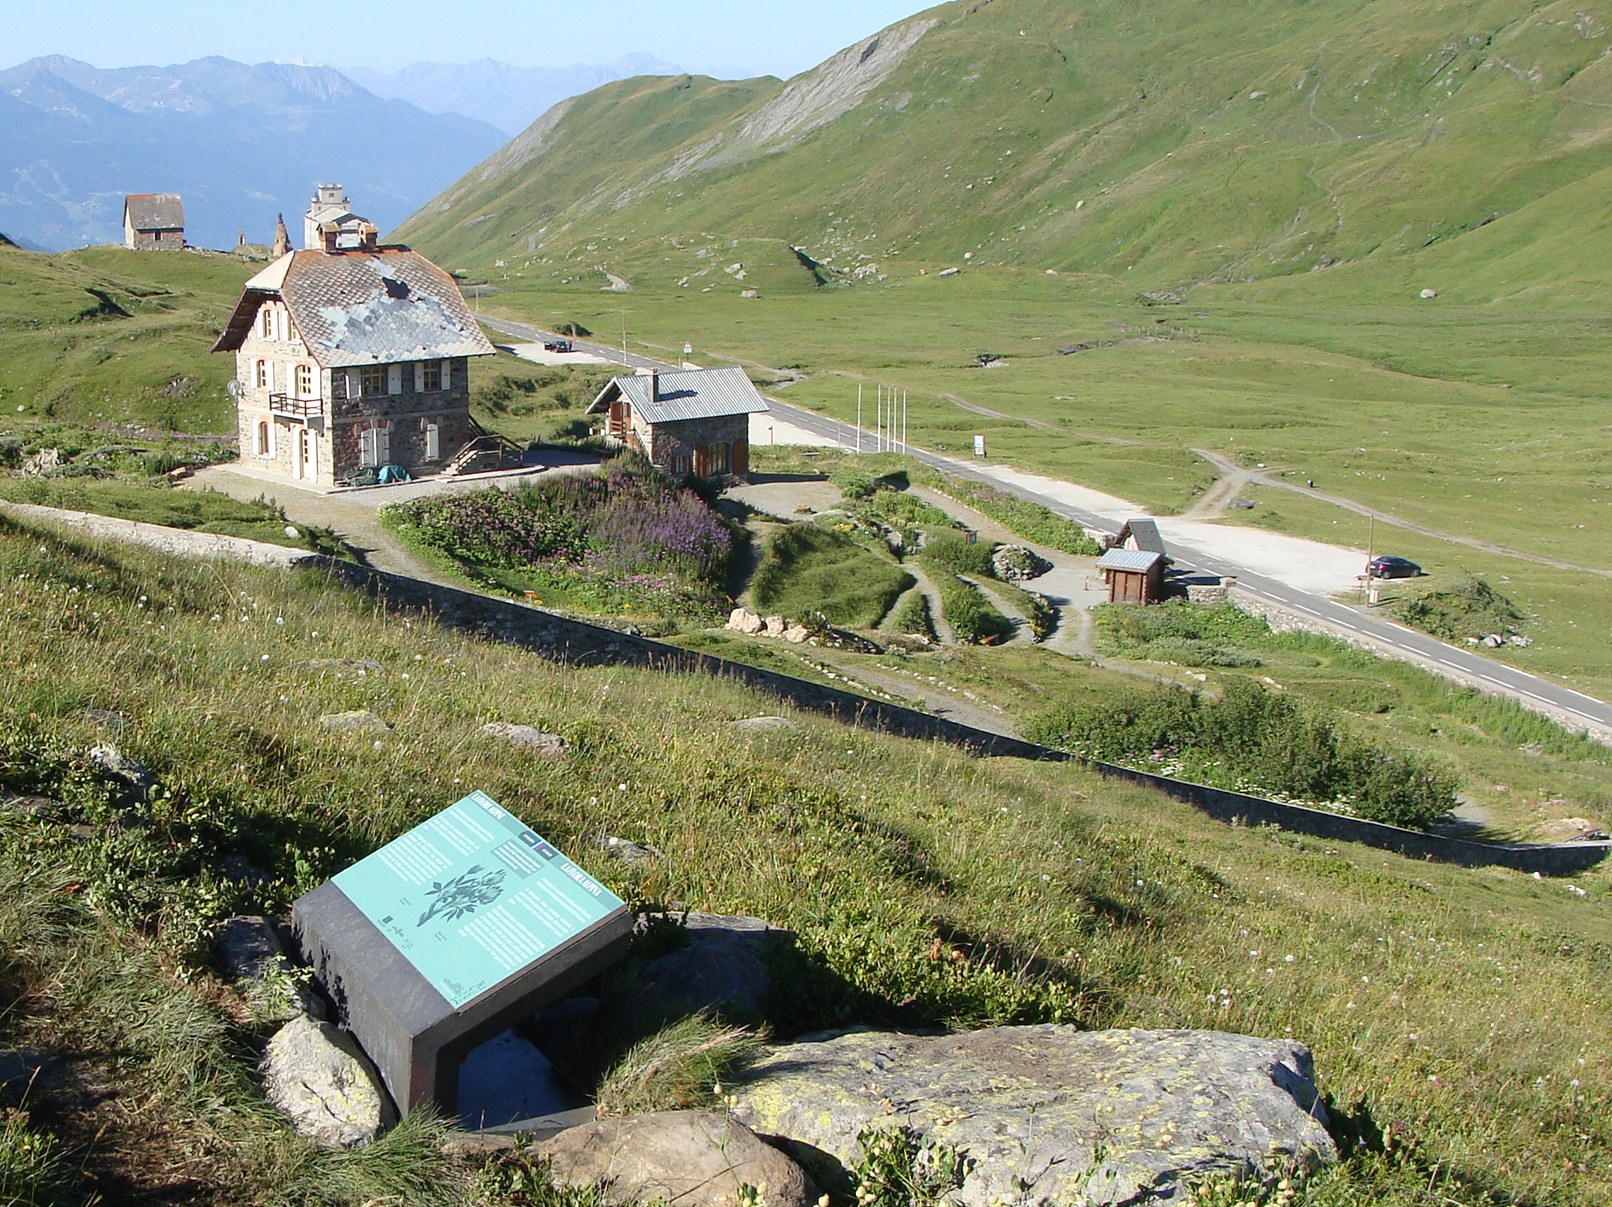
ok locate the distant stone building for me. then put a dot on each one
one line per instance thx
(347, 358)
(687, 422)
(153, 222)
(331, 211)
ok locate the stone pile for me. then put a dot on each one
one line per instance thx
(743, 620)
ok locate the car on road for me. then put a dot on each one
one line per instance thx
(1392, 567)
(557, 345)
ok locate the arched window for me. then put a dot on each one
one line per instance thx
(266, 315)
(265, 439)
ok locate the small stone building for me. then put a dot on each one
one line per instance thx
(153, 222)
(355, 358)
(687, 422)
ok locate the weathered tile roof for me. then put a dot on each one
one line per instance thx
(364, 307)
(1129, 559)
(684, 394)
(154, 211)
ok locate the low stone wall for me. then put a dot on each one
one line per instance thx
(579, 643)
(1553, 859)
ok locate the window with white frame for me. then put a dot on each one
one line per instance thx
(264, 444)
(304, 381)
(372, 381)
(267, 317)
(264, 379)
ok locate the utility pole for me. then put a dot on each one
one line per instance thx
(859, 417)
(904, 449)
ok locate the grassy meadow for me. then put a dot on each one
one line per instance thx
(1456, 1016)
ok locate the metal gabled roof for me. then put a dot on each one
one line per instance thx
(684, 394)
(1145, 533)
(364, 307)
(154, 211)
(1134, 560)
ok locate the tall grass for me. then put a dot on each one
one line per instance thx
(1456, 1014)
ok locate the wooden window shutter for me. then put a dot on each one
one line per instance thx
(366, 447)
(394, 379)
(419, 377)
(447, 374)
(383, 446)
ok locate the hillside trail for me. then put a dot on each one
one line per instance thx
(1022, 633)
(944, 633)
(352, 517)
(1235, 477)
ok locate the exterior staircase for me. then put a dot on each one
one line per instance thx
(500, 450)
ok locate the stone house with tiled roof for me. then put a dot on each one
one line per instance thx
(154, 222)
(351, 359)
(687, 422)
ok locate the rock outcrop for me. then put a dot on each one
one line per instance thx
(723, 967)
(1049, 1113)
(526, 737)
(683, 1158)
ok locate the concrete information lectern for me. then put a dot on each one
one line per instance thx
(447, 936)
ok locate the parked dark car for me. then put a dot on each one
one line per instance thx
(557, 345)
(1392, 567)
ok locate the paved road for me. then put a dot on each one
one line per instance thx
(1571, 707)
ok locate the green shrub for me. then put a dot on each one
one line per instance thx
(10, 452)
(912, 616)
(806, 569)
(1030, 520)
(853, 483)
(952, 551)
(1253, 740)
(969, 613)
(1469, 608)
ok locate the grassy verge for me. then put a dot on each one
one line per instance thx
(807, 568)
(1457, 1013)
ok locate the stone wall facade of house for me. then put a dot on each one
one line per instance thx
(321, 425)
(707, 448)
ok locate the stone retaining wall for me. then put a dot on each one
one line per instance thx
(579, 643)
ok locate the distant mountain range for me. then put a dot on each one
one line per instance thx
(1173, 143)
(510, 98)
(240, 142)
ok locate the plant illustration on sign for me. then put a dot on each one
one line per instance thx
(462, 894)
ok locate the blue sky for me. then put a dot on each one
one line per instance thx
(719, 37)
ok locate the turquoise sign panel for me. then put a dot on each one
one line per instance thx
(473, 896)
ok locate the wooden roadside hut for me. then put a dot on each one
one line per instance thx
(1134, 576)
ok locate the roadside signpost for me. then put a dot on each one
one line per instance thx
(450, 934)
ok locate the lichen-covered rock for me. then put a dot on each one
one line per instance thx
(526, 737)
(686, 1158)
(357, 721)
(752, 725)
(320, 1078)
(1049, 1113)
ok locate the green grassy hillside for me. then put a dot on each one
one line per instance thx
(116, 336)
(1456, 1016)
(1172, 140)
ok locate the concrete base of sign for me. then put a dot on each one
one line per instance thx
(416, 1038)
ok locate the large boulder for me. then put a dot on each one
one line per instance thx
(320, 1078)
(723, 967)
(681, 1158)
(1049, 1113)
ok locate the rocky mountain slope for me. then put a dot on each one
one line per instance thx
(1175, 141)
(240, 142)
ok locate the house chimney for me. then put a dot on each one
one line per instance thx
(368, 235)
(282, 240)
(654, 380)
